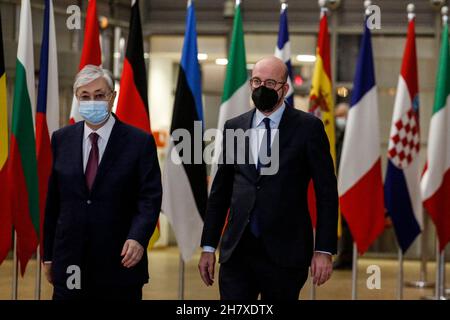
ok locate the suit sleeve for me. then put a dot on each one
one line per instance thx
(150, 194)
(51, 208)
(219, 200)
(325, 186)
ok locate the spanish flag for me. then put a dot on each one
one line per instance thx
(321, 102)
(5, 212)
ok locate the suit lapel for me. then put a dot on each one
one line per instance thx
(77, 141)
(249, 168)
(112, 150)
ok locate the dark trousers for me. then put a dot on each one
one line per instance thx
(250, 272)
(97, 292)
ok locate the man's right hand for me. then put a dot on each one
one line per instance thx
(48, 271)
(206, 267)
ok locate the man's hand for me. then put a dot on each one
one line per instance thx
(132, 253)
(206, 267)
(321, 268)
(48, 271)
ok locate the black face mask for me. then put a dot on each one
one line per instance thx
(265, 99)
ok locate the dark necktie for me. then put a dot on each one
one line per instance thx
(92, 164)
(265, 149)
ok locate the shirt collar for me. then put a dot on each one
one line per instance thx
(104, 132)
(274, 117)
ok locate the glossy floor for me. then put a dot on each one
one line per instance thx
(164, 273)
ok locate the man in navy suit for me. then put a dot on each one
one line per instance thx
(268, 242)
(103, 200)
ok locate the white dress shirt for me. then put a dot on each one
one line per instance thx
(256, 136)
(103, 136)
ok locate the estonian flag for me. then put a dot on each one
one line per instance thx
(184, 184)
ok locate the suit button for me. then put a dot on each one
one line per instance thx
(258, 187)
(89, 202)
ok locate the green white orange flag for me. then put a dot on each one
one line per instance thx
(236, 91)
(435, 183)
(22, 166)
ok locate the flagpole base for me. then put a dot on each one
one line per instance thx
(419, 284)
(443, 298)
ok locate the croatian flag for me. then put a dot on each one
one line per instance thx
(402, 186)
(360, 181)
(283, 50)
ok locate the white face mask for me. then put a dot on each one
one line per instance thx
(94, 112)
(341, 122)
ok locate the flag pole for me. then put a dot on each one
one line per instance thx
(422, 282)
(37, 292)
(400, 274)
(440, 274)
(15, 278)
(181, 279)
(313, 288)
(354, 271)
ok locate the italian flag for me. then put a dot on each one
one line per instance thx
(22, 168)
(236, 92)
(435, 183)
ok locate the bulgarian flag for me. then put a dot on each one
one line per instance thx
(236, 91)
(5, 212)
(132, 106)
(321, 102)
(435, 183)
(91, 53)
(22, 167)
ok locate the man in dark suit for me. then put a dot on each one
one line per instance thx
(103, 200)
(267, 244)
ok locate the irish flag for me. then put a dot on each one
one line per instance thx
(435, 183)
(236, 91)
(22, 168)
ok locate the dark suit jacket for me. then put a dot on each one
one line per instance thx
(89, 229)
(281, 199)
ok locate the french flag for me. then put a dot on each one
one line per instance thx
(47, 115)
(283, 50)
(360, 180)
(402, 185)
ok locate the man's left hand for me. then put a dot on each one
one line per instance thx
(132, 253)
(321, 267)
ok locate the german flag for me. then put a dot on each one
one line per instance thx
(132, 105)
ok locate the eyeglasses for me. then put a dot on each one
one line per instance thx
(269, 83)
(100, 96)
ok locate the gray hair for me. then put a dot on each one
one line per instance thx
(90, 73)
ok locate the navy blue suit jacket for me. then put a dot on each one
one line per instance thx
(89, 229)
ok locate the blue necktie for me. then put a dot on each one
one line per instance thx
(265, 148)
